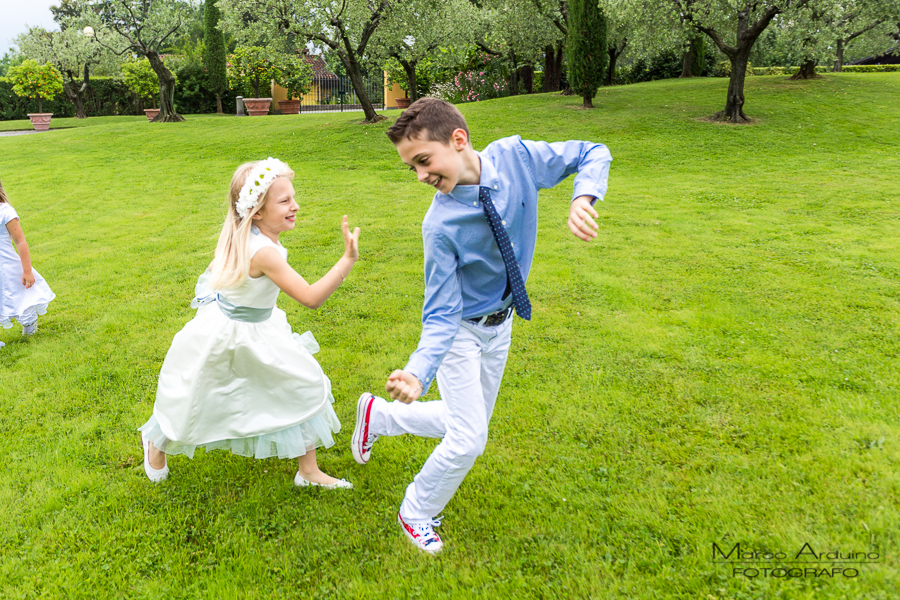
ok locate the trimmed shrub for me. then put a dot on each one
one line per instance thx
(781, 70)
(871, 68)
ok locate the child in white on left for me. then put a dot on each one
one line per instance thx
(236, 377)
(23, 292)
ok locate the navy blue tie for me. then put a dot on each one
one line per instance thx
(513, 273)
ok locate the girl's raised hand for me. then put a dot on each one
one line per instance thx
(351, 240)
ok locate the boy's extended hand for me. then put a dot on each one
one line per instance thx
(581, 223)
(403, 386)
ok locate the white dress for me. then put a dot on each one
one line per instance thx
(242, 382)
(17, 302)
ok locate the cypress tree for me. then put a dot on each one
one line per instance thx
(586, 51)
(214, 60)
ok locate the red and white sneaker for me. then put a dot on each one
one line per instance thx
(422, 534)
(362, 441)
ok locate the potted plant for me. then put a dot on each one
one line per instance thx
(31, 80)
(140, 78)
(296, 78)
(248, 69)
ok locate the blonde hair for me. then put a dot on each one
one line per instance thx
(231, 265)
(3, 198)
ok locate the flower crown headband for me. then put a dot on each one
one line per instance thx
(258, 181)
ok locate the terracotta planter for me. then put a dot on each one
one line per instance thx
(402, 103)
(151, 113)
(289, 107)
(41, 121)
(257, 107)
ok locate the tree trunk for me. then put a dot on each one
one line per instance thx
(412, 81)
(76, 95)
(687, 61)
(40, 105)
(734, 103)
(219, 104)
(839, 62)
(526, 76)
(552, 68)
(807, 70)
(588, 102)
(167, 113)
(614, 50)
(356, 80)
(689, 58)
(611, 70)
(513, 74)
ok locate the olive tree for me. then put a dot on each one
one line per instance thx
(518, 32)
(733, 26)
(71, 52)
(416, 30)
(823, 31)
(144, 28)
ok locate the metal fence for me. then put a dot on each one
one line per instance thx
(335, 93)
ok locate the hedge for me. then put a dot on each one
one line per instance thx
(871, 68)
(104, 97)
(824, 69)
(108, 96)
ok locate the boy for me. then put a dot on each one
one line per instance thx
(479, 237)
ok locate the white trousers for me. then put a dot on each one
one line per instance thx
(469, 378)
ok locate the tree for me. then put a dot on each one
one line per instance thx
(824, 29)
(140, 78)
(557, 13)
(417, 28)
(747, 19)
(71, 52)
(345, 27)
(67, 10)
(295, 75)
(251, 68)
(517, 32)
(142, 27)
(31, 80)
(693, 56)
(586, 48)
(214, 59)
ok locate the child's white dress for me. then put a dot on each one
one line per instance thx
(237, 378)
(17, 302)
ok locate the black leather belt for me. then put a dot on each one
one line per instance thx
(493, 319)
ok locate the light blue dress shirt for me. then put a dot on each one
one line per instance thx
(465, 276)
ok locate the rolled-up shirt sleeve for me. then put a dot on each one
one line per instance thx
(550, 163)
(442, 311)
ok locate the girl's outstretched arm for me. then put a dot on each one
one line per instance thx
(18, 238)
(269, 262)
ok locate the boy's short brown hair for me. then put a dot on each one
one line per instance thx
(437, 117)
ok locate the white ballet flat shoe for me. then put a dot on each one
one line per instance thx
(299, 481)
(154, 475)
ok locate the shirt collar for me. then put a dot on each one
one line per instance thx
(468, 194)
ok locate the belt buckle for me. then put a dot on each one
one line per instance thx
(497, 318)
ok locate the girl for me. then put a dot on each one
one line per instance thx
(23, 292)
(236, 377)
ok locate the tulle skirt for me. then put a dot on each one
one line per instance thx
(289, 443)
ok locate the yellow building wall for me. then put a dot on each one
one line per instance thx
(279, 93)
(391, 93)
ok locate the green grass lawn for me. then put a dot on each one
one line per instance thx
(719, 366)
